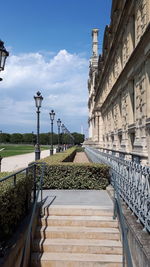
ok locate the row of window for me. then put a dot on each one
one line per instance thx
(131, 36)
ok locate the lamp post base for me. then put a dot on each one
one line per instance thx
(37, 153)
(51, 152)
(0, 162)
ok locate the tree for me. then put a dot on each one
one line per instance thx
(28, 138)
(44, 138)
(78, 138)
(16, 138)
(4, 138)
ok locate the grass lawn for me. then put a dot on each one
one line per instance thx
(12, 150)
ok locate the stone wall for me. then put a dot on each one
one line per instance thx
(119, 86)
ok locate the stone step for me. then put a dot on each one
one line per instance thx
(78, 246)
(75, 260)
(91, 221)
(74, 232)
(73, 210)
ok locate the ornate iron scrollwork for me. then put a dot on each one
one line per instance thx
(132, 181)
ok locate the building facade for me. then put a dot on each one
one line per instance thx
(119, 83)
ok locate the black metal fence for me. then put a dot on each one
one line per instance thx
(131, 182)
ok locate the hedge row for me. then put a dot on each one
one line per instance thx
(15, 200)
(76, 176)
(66, 156)
(14, 203)
(61, 173)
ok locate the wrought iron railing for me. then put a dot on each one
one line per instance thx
(29, 171)
(97, 157)
(36, 169)
(127, 259)
(38, 184)
(132, 182)
(13, 176)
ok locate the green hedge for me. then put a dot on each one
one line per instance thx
(76, 176)
(61, 173)
(14, 203)
(66, 156)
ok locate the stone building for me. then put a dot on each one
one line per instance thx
(119, 83)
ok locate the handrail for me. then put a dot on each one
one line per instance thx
(120, 151)
(133, 182)
(29, 231)
(124, 230)
(118, 175)
(17, 172)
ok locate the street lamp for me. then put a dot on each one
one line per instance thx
(3, 55)
(38, 102)
(58, 124)
(63, 131)
(52, 116)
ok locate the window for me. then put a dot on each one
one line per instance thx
(132, 139)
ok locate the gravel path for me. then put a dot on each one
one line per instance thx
(15, 163)
(81, 157)
(20, 161)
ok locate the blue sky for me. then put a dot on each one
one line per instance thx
(50, 46)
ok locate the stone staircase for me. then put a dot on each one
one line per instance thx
(74, 236)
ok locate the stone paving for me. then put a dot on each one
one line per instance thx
(78, 197)
(81, 157)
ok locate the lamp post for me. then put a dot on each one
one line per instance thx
(52, 116)
(3, 55)
(38, 102)
(63, 131)
(58, 124)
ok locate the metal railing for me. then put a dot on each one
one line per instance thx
(127, 260)
(38, 184)
(13, 176)
(37, 171)
(131, 182)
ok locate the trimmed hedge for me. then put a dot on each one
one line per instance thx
(76, 176)
(66, 156)
(61, 173)
(14, 203)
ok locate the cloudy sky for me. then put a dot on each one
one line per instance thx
(50, 45)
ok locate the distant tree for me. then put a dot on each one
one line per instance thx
(4, 138)
(28, 138)
(16, 138)
(55, 138)
(44, 138)
(79, 138)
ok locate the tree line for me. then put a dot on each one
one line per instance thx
(45, 138)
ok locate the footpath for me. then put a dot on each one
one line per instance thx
(14, 163)
(81, 157)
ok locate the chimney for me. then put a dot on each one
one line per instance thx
(95, 43)
(94, 58)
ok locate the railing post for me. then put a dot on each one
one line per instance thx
(27, 195)
(14, 179)
(34, 177)
(0, 162)
(115, 206)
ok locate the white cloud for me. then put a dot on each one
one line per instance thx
(62, 80)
